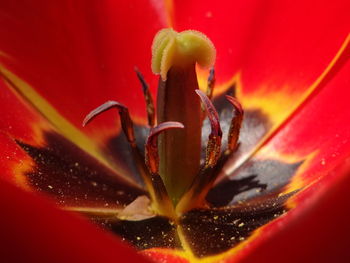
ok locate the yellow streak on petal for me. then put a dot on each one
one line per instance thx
(38, 126)
(20, 167)
(286, 97)
(187, 249)
(279, 105)
(297, 182)
(94, 211)
(276, 104)
(63, 126)
(229, 254)
(167, 251)
(202, 77)
(234, 253)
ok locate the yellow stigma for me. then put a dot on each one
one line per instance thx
(171, 48)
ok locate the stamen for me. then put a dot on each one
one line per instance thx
(235, 126)
(195, 196)
(175, 56)
(155, 186)
(148, 98)
(214, 142)
(152, 156)
(211, 83)
(127, 124)
(162, 200)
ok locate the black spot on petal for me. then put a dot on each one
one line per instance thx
(153, 232)
(74, 178)
(119, 150)
(255, 125)
(213, 231)
(255, 178)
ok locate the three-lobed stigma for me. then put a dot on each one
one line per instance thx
(171, 48)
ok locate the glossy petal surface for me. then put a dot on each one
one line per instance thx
(81, 48)
(274, 53)
(37, 221)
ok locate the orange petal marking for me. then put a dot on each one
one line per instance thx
(53, 117)
(334, 66)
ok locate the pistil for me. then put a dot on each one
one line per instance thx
(174, 58)
(171, 167)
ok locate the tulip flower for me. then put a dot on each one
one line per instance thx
(277, 190)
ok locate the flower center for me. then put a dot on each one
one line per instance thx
(176, 176)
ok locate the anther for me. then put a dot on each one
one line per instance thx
(151, 149)
(148, 98)
(126, 122)
(214, 142)
(211, 83)
(235, 126)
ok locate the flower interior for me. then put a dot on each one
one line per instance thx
(188, 181)
(232, 158)
(184, 155)
(175, 175)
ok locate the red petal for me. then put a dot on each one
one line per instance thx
(23, 123)
(13, 162)
(34, 231)
(267, 58)
(317, 231)
(318, 131)
(274, 51)
(79, 54)
(274, 43)
(18, 122)
(18, 119)
(165, 255)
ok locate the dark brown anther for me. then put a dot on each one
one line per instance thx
(127, 124)
(152, 156)
(148, 98)
(236, 123)
(158, 191)
(211, 83)
(195, 196)
(214, 142)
